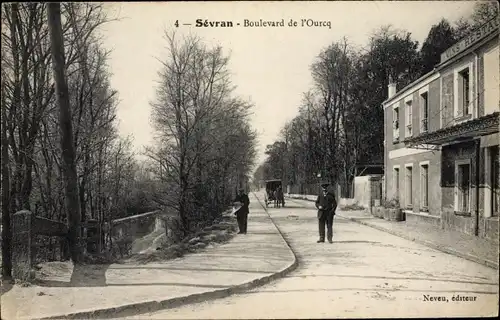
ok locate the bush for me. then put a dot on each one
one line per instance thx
(391, 204)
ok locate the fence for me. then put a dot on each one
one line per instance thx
(26, 226)
(367, 191)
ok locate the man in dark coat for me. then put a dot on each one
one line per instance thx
(326, 205)
(242, 212)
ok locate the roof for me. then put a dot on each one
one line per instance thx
(410, 86)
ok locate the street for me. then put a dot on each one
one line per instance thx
(364, 273)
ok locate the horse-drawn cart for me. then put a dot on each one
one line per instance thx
(274, 193)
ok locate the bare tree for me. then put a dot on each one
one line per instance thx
(65, 121)
(198, 123)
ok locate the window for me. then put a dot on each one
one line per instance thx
(424, 187)
(395, 124)
(463, 93)
(408, 186)
(396, 183)
(424, 112)
(495, 181)
(408, 119)
(463, 188)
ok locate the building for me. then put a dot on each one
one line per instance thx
(441, 139)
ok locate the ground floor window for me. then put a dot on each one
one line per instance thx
(424, 187)
(463, 190)
(495, 181)
(396, 183)
(408, 186)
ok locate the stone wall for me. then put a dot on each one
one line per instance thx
(136, 225)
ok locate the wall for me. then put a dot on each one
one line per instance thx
(362, 191)
(137, 225)
(366, 189)
(434, 190)
(488, 81)
(413, 155)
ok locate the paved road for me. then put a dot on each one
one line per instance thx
(364, 273)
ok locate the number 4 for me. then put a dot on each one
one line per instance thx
(177, 23)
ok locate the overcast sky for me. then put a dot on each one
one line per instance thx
(270, 66)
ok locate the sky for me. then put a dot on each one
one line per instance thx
(270, 65)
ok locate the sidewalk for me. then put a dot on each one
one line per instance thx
(472, 248)
(125, 289)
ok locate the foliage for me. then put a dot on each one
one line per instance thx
(440, 37)
(391, 204)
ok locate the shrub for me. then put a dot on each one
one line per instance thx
(391, 204)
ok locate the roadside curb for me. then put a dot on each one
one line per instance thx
(470, 257)
(157, 305)
(296, 260)
(448, 250)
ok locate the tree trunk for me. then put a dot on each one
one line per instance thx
(68, 152)
(6, 229)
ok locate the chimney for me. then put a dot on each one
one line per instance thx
(391, 88)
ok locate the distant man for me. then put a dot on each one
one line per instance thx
(326, 205)
(280, 197)
(242, 212)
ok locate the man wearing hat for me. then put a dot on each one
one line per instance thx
(326, 205)
(242, 212)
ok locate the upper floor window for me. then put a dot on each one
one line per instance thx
(463, 93)
(395, 124)
(409, 108)
(464, 79)
(424, 112)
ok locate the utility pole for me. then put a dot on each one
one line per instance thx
(66, 131)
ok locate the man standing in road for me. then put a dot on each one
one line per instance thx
(326, 205)
(242, 212)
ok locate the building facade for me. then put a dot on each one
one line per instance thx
(442, 136)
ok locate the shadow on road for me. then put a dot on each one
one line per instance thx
(81, 276)
(6, 286)
(392, 278)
